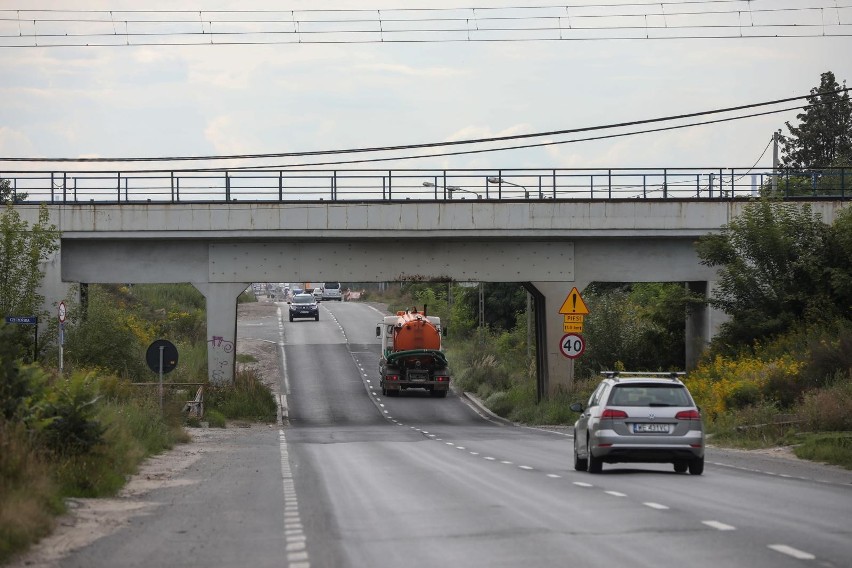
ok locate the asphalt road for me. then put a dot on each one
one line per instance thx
(354, 479)
(421, 482)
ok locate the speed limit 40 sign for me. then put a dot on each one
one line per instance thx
(572, 345)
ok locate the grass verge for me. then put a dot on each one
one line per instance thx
(828, 447)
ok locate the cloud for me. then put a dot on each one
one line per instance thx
(411, 71)
(475, 132)
(14, 143)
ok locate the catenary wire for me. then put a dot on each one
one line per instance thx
(475, 23)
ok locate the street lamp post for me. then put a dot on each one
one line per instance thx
(452, 189)
(500, 181)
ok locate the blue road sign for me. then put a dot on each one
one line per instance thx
(28, 320)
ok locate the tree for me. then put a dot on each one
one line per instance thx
(23, 250)
(773, 265)
(824, 134)
(839, 269)
(8, 195)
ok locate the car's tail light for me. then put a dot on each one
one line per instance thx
(688, 415)
(442, 379)
(612, 413)
(391, 377)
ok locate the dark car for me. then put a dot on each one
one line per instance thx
(636, 418)
(304, 306)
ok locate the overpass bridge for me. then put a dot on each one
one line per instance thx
(449, 233)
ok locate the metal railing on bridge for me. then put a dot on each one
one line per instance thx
(398, 185)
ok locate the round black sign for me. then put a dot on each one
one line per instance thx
(170, 355)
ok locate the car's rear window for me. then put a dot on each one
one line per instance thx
(649, 395)
(331, 285)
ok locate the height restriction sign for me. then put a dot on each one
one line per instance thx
(572, 345)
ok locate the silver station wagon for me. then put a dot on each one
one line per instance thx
(639, 418)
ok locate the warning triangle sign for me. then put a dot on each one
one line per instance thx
(574, 304)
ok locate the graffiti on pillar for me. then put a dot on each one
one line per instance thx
(219, 342)
(221, 362)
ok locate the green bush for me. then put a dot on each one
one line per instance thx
(104, 339)
(247, 399)
(742, 395)
(67, 422)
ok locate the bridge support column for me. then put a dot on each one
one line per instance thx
(555, 372)
(221, 328)
(702, 324)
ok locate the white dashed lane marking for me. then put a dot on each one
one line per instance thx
(719, 526)
(790, 551)
(655, 506)
(294, 535)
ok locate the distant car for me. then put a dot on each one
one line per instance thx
(303, 306)
(317, 293)
(331, 291)
(639, 418)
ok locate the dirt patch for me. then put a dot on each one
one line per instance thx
(264, 354)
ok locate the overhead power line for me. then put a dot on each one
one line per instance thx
(409, 147)
(571, 22)
(504, 148)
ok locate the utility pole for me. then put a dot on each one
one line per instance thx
(481, 313)
(776, 136)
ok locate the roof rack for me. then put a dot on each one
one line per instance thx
(673, 375)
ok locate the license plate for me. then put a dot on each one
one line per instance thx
(658, 428)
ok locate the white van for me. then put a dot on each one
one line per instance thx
(331, 291)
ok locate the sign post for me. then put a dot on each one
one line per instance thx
(162, 357)
(63, 312)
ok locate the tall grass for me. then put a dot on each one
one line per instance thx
(29, 497)
(247, 399)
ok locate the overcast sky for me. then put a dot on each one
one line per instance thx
(284, 96)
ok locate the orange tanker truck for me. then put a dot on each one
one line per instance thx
(411, 354)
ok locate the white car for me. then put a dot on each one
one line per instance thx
(331, 291)
(639, 418)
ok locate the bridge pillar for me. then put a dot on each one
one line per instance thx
(702, 324)
(221, 328)
(555, 372)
